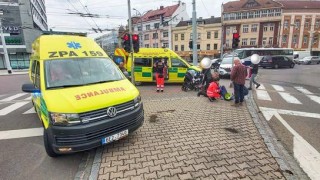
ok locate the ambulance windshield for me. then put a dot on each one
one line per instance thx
(80, 71)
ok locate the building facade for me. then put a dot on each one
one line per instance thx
(257, 22)
(108, 42)
(208, 41)
(300, 27)
(155, 26)
(22, 22)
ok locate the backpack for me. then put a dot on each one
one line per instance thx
(224, 94)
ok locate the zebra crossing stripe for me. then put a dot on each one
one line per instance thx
(262, 87)
(21, 133)
(289, 98)
(11, 108)
(278, 88)
(14, 97)
(30, 111)
(303, 90)
(309, 94)
(263, 95)
(28, 98)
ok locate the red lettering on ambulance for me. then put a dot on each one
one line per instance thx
(83, 95)
(90, 94)
(78, 97)
(96, 93)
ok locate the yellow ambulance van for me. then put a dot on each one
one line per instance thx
(147, 57)
(80, 95)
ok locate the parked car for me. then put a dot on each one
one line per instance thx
(215, 63)
(225, 66)
(298, 55)
(276, 62)
(310, 60)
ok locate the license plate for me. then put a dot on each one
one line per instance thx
(115, 137)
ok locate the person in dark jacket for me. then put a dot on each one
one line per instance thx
(160, 68)
(207, 79)
(254, 73)
(238, 77)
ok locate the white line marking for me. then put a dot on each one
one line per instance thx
(14, 97)
(28, 98)
(11, 108)
(30, 111)
(262, 87)
(309, 94)
(278, 88)
(263, 95)
(21, 133)
(303, 90)
(307, 156)
(289, 98)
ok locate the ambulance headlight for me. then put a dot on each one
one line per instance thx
(137, 101)
(64, 119)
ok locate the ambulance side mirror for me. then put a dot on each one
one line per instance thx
(30, 88)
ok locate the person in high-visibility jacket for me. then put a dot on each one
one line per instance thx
(160, 68)
(213, 91)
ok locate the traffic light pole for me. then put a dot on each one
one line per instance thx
(194, 34)
(131, 42)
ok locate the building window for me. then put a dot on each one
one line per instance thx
(270, 40)
(208, 35)
(254, 27)
(165, 34)
(284, 39)
(264, 13)
(198, 46)
(264, 41)
(156, 25)
(165, 45)
(182, 36)
(146, 37)
(317, 23)
(265, 28)
(271, 27)
(190, 35)
(208, 46)
(244, 42)
(305, 39)
(147, 27)
(215, 46)
(294, 39)
(232, 16)
(251, 15)
(306, 24)
(176, 37)
(270, 12)
(286, 24)
(277, 12)
(297, 24)
(155, 36)
(139, 28)
(146, 45)
(175, 47)
(199, 35)
(155, 45)
(253, 41)
(216, 34)
(245, 28)
(182, 47)
(257, 14)
(228, 30)
(238, 16)
(244, 15)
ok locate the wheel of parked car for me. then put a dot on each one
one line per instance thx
(292, 66)
(276, 66)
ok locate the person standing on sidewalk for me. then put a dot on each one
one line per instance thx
(238, 77)
(159, 69)
(254, 74)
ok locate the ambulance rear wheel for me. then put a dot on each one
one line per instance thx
(138, 83)
(48, 145)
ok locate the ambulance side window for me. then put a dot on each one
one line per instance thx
(144, 62)
(177, 63)
(37, 74)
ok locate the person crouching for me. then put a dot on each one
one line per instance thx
(213, 91)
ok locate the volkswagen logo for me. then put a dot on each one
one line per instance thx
(111, 111)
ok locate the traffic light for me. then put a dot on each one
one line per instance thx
(235, 40)
(190, 44)
(136, 43)
(126, 42)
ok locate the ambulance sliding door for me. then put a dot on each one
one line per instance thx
(143, 69)
(177, 70)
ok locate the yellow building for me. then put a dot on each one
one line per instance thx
(208, 33)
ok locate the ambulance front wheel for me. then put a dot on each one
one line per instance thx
(48, 145)
(137, 83)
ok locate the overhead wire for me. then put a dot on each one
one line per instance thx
(78, 12)
(87, 10)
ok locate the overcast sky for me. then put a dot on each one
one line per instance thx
(113, 13)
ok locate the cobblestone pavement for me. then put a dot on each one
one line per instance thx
(189, 137)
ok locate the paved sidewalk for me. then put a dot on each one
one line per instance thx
(189, 137)
(4, 72)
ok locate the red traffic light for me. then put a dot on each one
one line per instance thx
(135, 37)
(236, 35)
(125, 37)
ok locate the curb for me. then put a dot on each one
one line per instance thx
(288, 165)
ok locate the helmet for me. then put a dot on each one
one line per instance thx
(205, 63)
(228, 97)
(255, 59)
